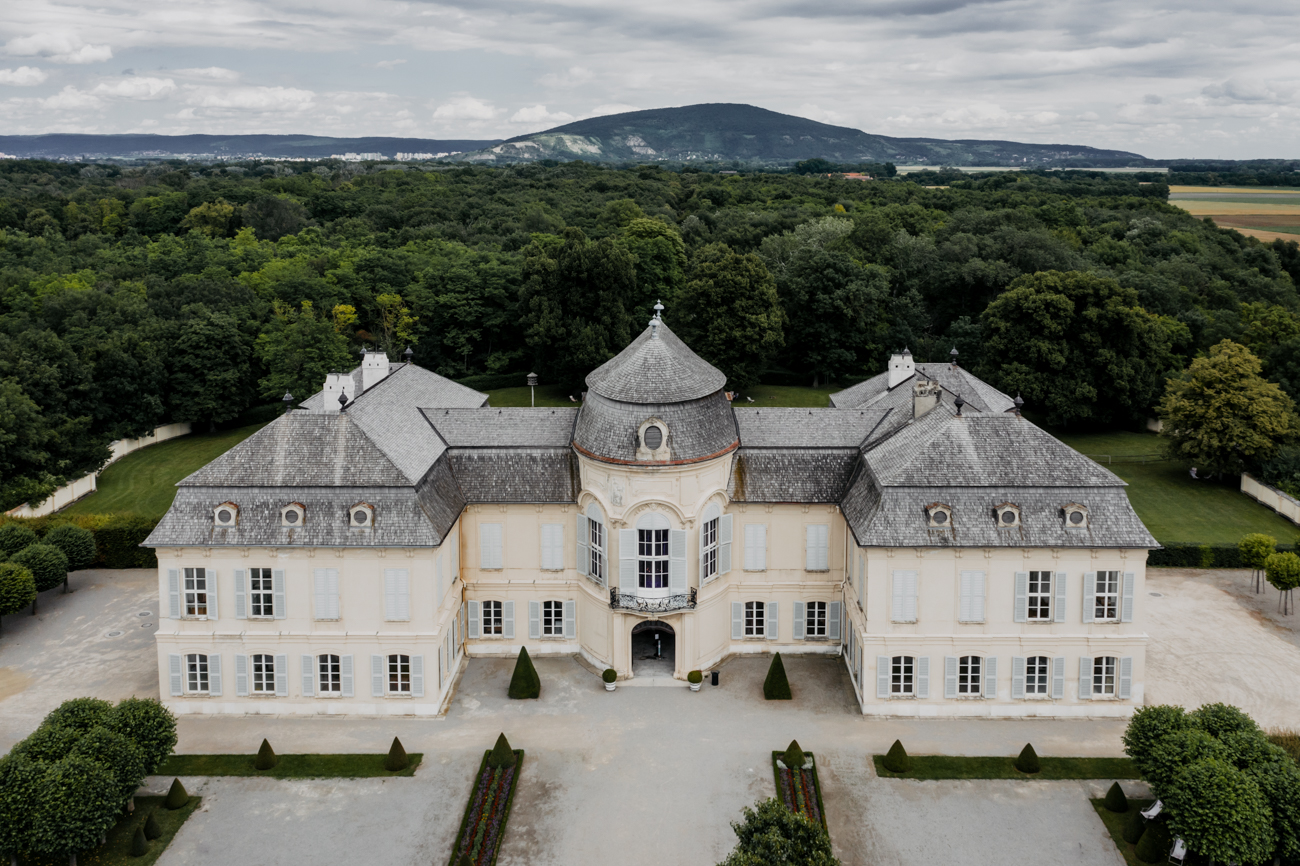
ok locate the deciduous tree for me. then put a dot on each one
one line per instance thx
(772, 835)
(298, 348)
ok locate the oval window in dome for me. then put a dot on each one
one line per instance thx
(654, 437)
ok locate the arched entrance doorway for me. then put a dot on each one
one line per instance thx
(654, 649)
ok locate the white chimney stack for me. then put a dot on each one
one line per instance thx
(901, 368)
(335, 384)
(925, 396)
(374, 367)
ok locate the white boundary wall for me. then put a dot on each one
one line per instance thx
(84, 486)
(1272, 497)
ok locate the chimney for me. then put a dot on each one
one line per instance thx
(901, 368)
(374, 367)
(925, 396)
(336, 384)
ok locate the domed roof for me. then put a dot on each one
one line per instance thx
(656, 367)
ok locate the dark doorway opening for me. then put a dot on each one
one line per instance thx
(654, 645)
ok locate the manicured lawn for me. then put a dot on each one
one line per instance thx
(547, 395)
(1115, 826)
(144, 482)
(788, 395)
(1053, 769)
(1173, 506)
(117, 850)
(290, 766)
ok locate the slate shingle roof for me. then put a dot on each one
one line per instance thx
(516, 474)
(790, 474)
(504, 428)
(805, 428)
(656, 367)
(980, 395)
(697, 429)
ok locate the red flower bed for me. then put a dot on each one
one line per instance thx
(799, 790)
(486, 813)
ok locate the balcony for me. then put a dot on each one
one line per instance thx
(656, 604)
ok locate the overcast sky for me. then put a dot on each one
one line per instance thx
(1162, 78)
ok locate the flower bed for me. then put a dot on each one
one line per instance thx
(486, 813)
(799, 789)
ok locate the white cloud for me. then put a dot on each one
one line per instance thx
(58, 47)
(466, 108)
(23, 76)
(537, 115)
(133, 87)
(210, 73)
(70, 98)
(265, 99)
(389, 64)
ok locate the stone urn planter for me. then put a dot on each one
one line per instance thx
(609, 676)
(695, 679)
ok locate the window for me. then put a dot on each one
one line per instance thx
(815, 625)
(652, 558)
(1106, 606)
(755, 619)
(489, 536)
(264, 674)
(901, 680)
(1036, 674)
(597, 548)
(331, 680)
(817, 550)
(709, 549)
(491, 617)
(260, 591)
(1040, 596)
(969, 680)
(196, 593)
(552, 547)
(755, 547)
(1103, 674)
(552, 619)
(399, 674)
(196, 665)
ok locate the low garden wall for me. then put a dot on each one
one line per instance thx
(1275, 499)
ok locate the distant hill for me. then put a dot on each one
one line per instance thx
(729, 131)
(65, 145)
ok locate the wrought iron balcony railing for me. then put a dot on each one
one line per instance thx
(659, 604)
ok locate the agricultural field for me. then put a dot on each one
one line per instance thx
(1264, 213)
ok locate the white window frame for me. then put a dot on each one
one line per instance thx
(1105, 676)
(1041, 689)
(329, 675)
(197, 674)
(195, 598)
(261, 681)
(1107, 579)
(648, 565)
(815, 620)
(1036, 594)
(902, 676)
(261, 593)
(394, 682)
(755, 547)
(755, 625)
(598, 544)
(552, 618)
(709, 549)
(493, 618)
(970, 669)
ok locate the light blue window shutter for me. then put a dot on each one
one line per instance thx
(773, 621)
(1126, 605)
(438, 589)
(534, 619)
(923, 677)
(909, 598)
(332, 588)
(1021, 609)
(345, 675)
(737, 620)
(475, 622)
(213, 591)
(1058, 615)
(438, 665)
(282, 676)
(277, 593)
(950, 676)
(508, 620)
(570, 619)
(174, 593)
(214, 675)
(627, 561)
(1125, 677)
(241, 675)
(546, 547)
(241, 594)
(979, 592)
(1017, 677)
(176, 673)
(490, 545)
(990, 676)
(377, 676)
(583, 534)
(883, 672)
(677, 560)
(964, 605)
(1058, 678)
(1089, 596)
(308, 676)
(1085, 678)
(320, 593)
(404, 594)
(799, 621)
(417, 676)
(833, 611)
(816, 543)
(898, 597)
(862, 581)
(724, 544)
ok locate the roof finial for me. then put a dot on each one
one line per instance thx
(953, 355)
(659, 308)
(959, 402)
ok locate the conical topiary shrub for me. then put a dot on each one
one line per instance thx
(1028, 760)
(1155, 843)
(139, 844)
(177, 796)
(524, 684)
(396, 759)
(776, 687)
(266, 757)
(152, 829)
(897, 761)
(1115, 799)
(1134, 824)
(464, 861)
(501, 755)
(794, 757)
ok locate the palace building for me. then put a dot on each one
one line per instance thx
(350, 555)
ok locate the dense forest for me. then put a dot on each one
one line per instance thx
(131, 297)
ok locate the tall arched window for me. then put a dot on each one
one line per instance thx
(709, 543)
(593, 540)
(652, 554)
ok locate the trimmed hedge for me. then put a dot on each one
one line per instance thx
(117, 536)
(1196, 556)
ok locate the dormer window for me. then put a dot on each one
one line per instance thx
(226, 514)
(652, 440)
(939, 515)
(294, 514)
(1007, 515)
(361, 516)
(1076, 516)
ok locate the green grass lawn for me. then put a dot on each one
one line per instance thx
(117, 850)
(290, 766)
(1115, 826)
(1053, 769)
(1173, 506)
(547, 395)
(144, 482)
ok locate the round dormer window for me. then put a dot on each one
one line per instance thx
(1076, 518)
(1008, 517)
(291, 516)
(225, 515)
(360, 517)
(654, 437)
(939, 517)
